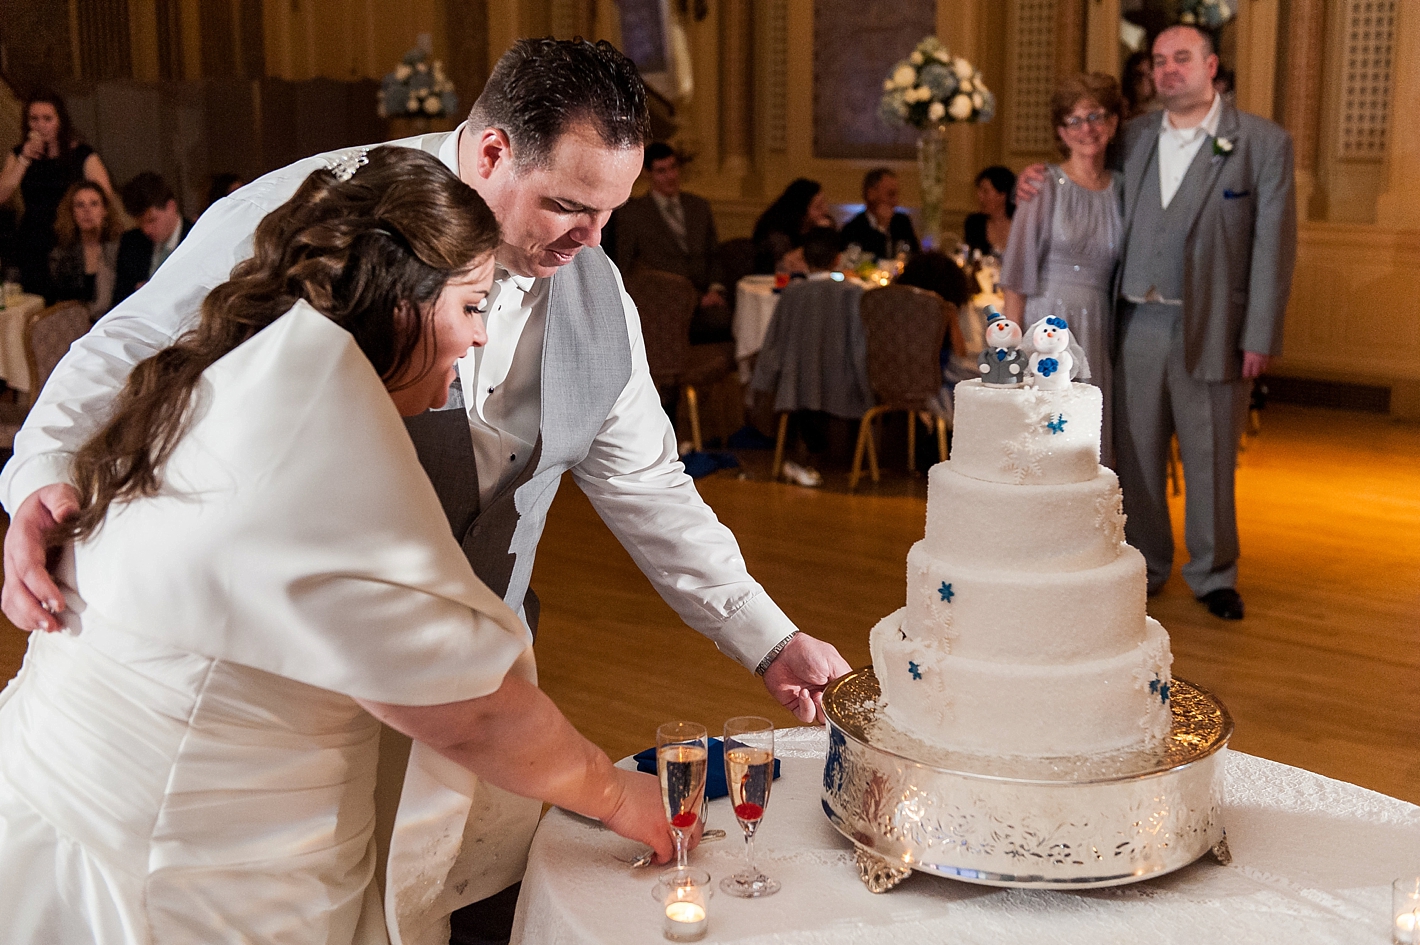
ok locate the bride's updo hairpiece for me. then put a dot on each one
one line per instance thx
(345, 166)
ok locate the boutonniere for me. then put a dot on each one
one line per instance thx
(1222, 147)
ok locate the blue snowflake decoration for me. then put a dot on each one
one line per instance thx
(914, 669)
(1047, 366)
(947, 593)
(1057, 322)
(1058, 424)
(1159, 688)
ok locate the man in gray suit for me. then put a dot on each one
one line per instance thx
(671, 230)
(1210, 244)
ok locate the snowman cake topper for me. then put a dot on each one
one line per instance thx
(1055, 357)
(1001, 362)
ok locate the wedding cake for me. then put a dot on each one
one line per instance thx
(1025, 632)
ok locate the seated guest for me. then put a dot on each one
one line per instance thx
(674, 231)
(780, 230)
(937, 272)
(161, 227)
(83, 264)
(814, 362)
(880, 230)
(987, 231)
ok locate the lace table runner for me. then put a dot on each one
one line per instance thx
(1313, 859)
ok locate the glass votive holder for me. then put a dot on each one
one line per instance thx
(685, 914)
(1405, 911)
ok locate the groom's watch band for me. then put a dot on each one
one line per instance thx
(773, 654)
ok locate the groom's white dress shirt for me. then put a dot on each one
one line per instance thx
(632, 473)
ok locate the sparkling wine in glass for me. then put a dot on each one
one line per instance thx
(749, 772)
(681, 753)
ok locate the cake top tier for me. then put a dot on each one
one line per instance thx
(1027, 436)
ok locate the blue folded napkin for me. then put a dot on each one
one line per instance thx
(715, 773)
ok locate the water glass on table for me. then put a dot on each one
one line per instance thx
(682, 750)
(749, 772)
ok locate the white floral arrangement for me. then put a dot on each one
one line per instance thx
(1209, 14)
(417, 87)
(932, 87)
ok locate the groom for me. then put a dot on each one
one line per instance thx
(553, 145)
(1210, 241)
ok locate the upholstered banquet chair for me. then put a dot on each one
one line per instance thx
(48, 336)
(904, 328)
(666, 303)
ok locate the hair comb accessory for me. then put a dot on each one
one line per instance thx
(1056, 322)
(345, 167)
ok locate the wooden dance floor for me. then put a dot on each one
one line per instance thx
(1324, 673)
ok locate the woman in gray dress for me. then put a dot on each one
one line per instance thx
(1065, 243)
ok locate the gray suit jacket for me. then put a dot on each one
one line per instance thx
(642, 237)
(1242, 246)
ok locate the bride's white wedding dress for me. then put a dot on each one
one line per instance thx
(185, 762)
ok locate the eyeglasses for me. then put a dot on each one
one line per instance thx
(1093, 119)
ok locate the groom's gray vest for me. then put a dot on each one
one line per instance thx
(1158, 236)
(586, 362)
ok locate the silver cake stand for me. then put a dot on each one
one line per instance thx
(1056, 823)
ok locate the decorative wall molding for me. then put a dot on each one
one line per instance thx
(776, 78)
(1368, 49)
(1031, 79)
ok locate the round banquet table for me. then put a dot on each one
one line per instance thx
(755, 300)
(14, 366)
(1313, 860)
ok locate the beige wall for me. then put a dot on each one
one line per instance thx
(347, 39)
(1361, 215)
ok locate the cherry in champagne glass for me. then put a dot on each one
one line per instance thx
(681, 753)
(749, 772)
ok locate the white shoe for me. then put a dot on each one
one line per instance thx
(801, 475)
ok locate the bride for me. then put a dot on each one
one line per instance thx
(260, 574)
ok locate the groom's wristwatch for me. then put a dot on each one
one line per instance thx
(773, 654)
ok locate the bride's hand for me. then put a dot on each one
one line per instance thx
(638, 814)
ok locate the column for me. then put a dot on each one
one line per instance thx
(1399, 205)
(736, 87)
(1301, 95)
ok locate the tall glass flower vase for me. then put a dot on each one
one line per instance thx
(932, 169)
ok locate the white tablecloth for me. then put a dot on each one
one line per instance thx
(1313, 860)
(755, 300)
(14, 367)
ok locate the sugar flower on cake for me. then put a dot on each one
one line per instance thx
(932, 87)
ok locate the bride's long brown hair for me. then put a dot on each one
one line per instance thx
(371, 253)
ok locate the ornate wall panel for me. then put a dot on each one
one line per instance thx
(776, 76)
(1368, 46)
(1032, 75)
(856, 43)
(104, 45)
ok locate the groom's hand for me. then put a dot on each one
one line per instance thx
(798, 674)
(31, 598)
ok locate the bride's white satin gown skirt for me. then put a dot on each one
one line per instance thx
(148, 795)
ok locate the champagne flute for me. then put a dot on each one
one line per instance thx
(749, 772)
(681, 752)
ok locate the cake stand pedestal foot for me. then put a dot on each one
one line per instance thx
(878, 874)
(1220, 851)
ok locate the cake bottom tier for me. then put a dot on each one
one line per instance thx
(1109, 704)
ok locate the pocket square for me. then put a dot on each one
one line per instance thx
(1236, 194)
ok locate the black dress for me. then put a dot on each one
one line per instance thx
(42, 188)
(974, 234)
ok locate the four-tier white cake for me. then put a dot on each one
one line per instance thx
(1024, 631)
